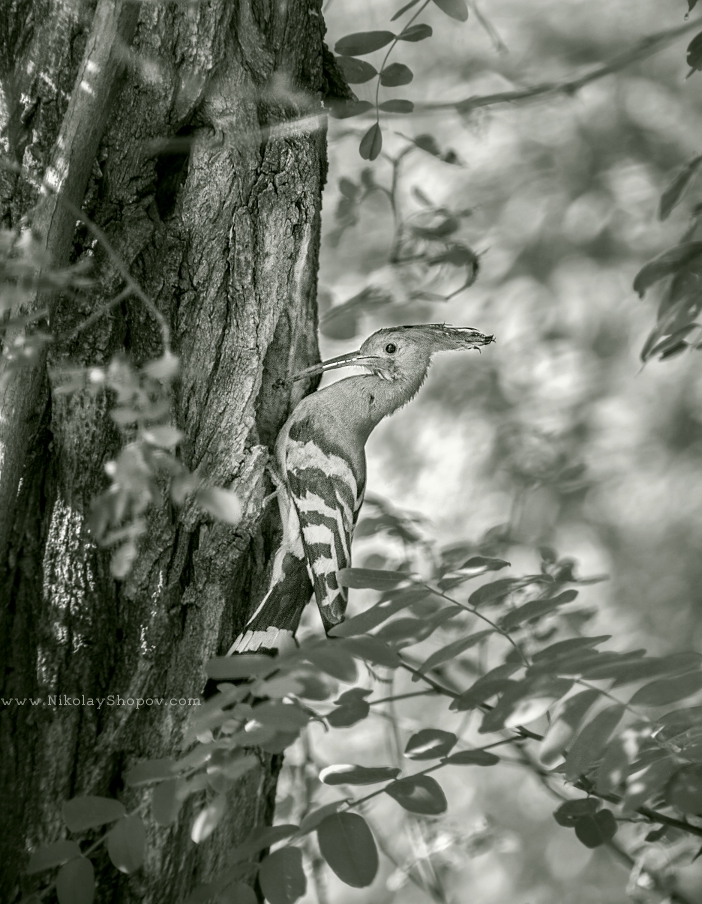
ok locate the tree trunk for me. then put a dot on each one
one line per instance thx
(194, 139)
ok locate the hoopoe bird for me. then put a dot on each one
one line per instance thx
(321, 472)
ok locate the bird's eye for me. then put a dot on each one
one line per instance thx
(391, 348)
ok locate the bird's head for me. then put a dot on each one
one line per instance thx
(404, 351)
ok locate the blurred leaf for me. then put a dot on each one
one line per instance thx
(556, 650)
(245, 665)
(149, 771)
(347, 774)
(493, 682)
(456, 9)
(363, 42)
(647, 782)
(565, 724)
(403, 9)
(536, 609)
(396, 106)
(370, 578)
(282, 877)
(451, 651)
(126, 844)
(372, 649)
(83, 813)
(348, 846)
(261, 838)
(523, 702)
(621, 752)
(666, 264)
(341, 326)
(694, 52)
(345, 109)
(684, 790)
(492, 592)
(356, 71)
(334, 660)
(281, 716)
(416, 33)
(673, 194)
(419, 794)
(166, 437)
(163, 368)
(223, 504)
(52, 855)
(472, 758)
(591, 741)
(371, 143)
(371, 618)
(430, 744)
(208, 819)
(668, 690)
(165, 802)
(75, 883)
(490, 564)
(396, 74)
(596, 830)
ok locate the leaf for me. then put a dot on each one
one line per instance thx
(371, 143)
(596, 830)
(450, 651)
(371, 618)
(416, 33)
(349, 713)
(313, 819)
(644, 784)
(419, 794)
(492, 592)
(694, 52)
(665, 264)
(566, 723)
(408, 6)
(568, 646)
(489, 563)
(363, 42)
(396, 74)
(165, 802)
(370, 578)
(673, 194)
(348, 774)
(336, 323)
(536, 609)
(261, 838)
(430, 744)
(667, 690)
(222, 504)
(592, 740)
(245, 665)
(149, 771)
(347, 844)
(356, 71)
(165, 437)
(621, 752)
(524, 702)
(472, 758)
(281, 716)
(456, 9)
(82, 813)
(52, 855)
(282, 877)
(75, 883)
(684, 790)
(372, 649)
(208, 819)
(238, 893)
(396, 106)
(334, 660)
(493, 682)
(126, 844)
(569, 812)
(164, 368)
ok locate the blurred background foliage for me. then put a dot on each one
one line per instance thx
(557, 432)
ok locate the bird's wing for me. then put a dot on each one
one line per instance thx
(327, 496)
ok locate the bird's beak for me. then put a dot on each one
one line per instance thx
(350, 359)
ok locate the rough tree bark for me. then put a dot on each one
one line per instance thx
(192, 134)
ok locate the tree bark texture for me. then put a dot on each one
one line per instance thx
(193, 135)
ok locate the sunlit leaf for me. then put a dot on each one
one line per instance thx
(565, 724)
(641, 786)
(163, 368)
(456, 9)
(208, 819)
(356, 71)
(416, 33)
(222, 504)
(619, 755)
(396, 74)
(348, 774)
(282, 877)
(165, 437)
(75, 883)
(52, 855)
(673, 194)
(126, 844)
(430, 744)
(82, 813)
(419, 794)
(591, 741)
(362, 42)
(666, 264)
(451, 651)
(348, 846)
(668, 690)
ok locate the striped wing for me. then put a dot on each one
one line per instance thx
(327, 497)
